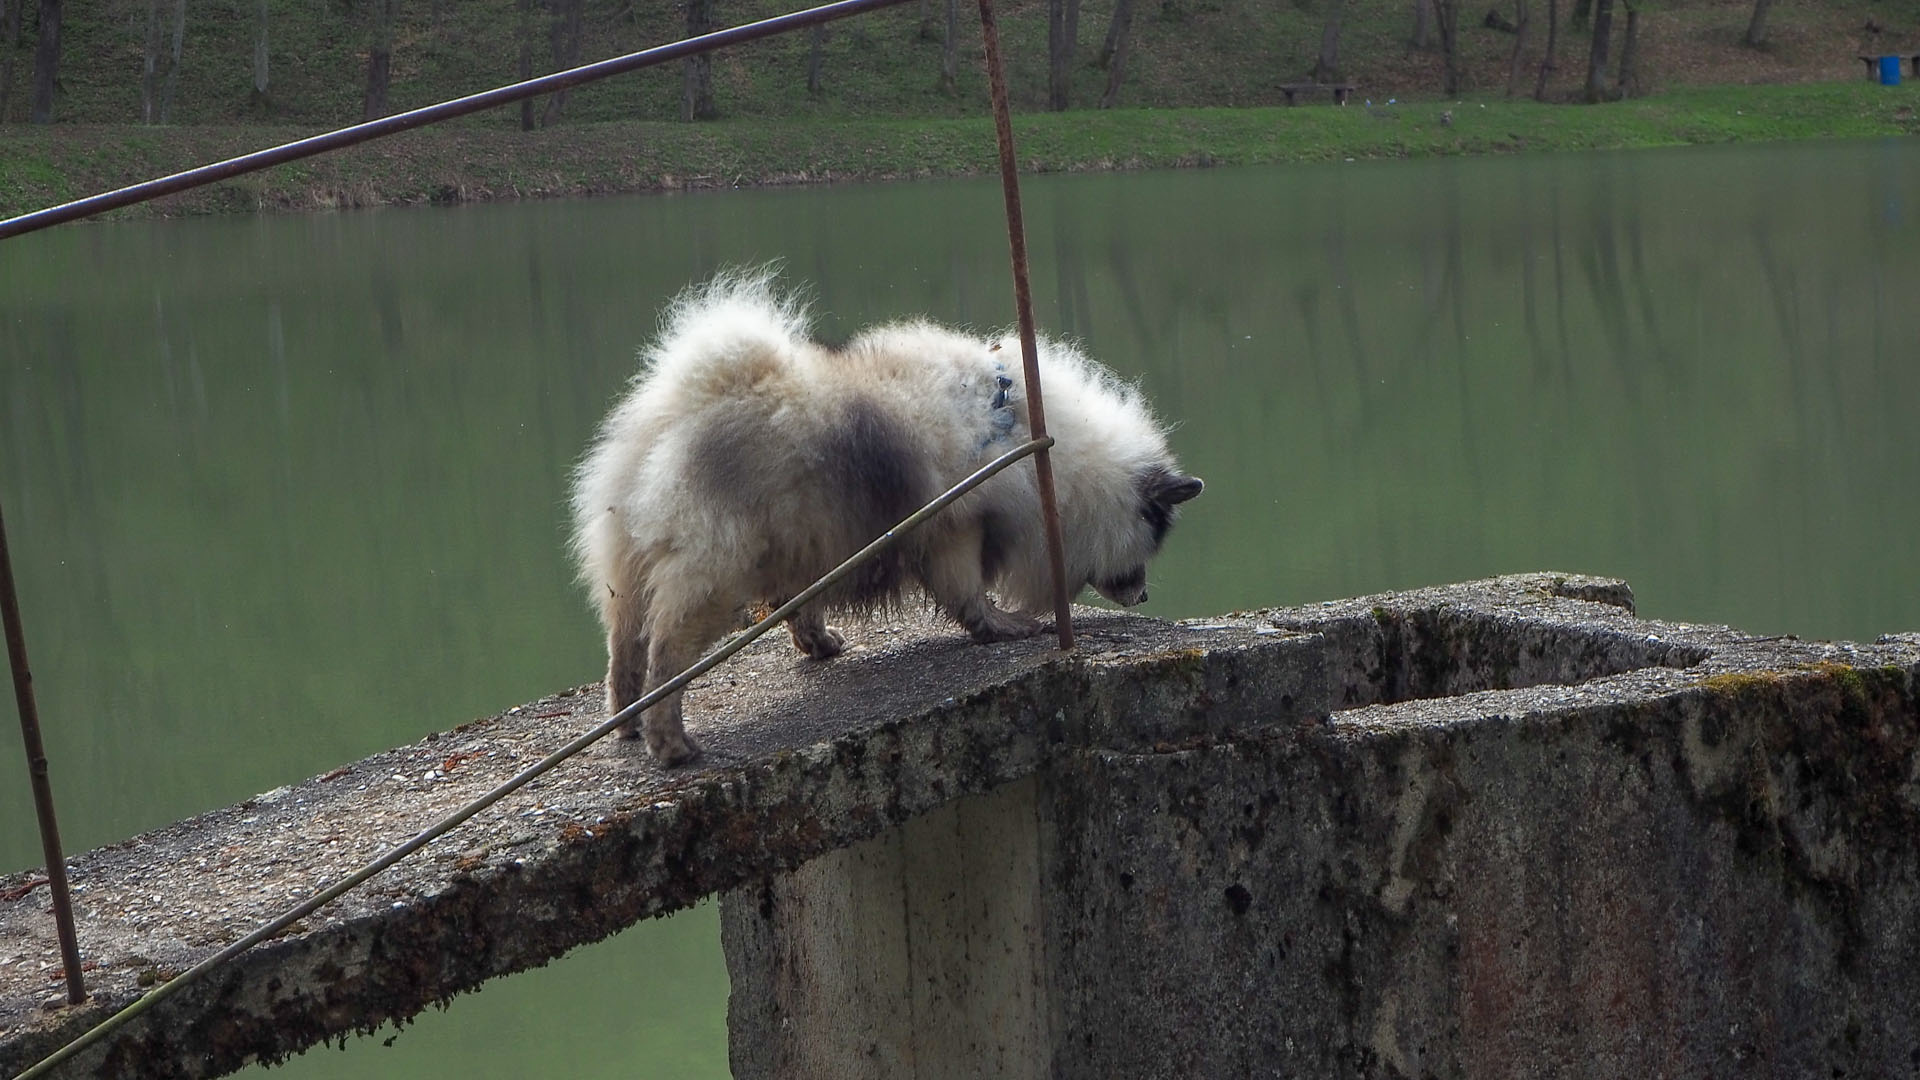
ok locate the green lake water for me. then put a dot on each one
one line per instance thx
(284, 491)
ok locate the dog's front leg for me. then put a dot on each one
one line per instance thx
(956, 583)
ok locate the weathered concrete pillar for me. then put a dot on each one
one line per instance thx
(1537, 839)
(919, 953)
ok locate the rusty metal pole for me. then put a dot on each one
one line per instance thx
(37, 773)
(1023, 304)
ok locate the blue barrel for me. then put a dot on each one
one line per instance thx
(1889, 71)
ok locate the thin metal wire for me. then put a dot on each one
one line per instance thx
(532, 772)
(1023, 306)
(37, 775)
(446, 110)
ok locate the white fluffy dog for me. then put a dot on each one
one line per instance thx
(746, 460)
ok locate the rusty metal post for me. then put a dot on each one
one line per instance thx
(37, 773)
(1023, 304)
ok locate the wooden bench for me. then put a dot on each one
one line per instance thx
(1339, 90)
(1873, 63)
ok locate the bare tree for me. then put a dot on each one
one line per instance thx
(260, 99)
(1597, 55)
(696, 83)
(950, 52)
(1447, 15)
(1119, 38)
(379, 57)
(1523, 15)
(1629, 50)
(46, 63)
(1756, 26)
(816, 56)
(1111, 42)
(1326, 69)
(526, 61)
(1422, 25)
(160, 67)
(150, 66)
(1063, 24)
(172, 81)
(1547, 63)
(564, 31)
(10, 31)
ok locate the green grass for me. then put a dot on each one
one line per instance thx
(470, 162)
(1201, 77)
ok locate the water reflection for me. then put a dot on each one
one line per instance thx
(286, 491)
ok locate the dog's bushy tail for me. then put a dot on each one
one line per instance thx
(728, 335)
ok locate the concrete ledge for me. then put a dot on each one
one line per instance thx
(1502, 828)
(802, 758)
(1534, 836)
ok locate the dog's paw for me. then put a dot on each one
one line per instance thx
(671, 748)
(823, 644)
(997, 625)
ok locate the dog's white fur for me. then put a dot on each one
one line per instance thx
(746, 460)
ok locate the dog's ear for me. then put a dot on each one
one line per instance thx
(1171, 488)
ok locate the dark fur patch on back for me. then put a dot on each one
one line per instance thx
(721, 457)
(871, 466)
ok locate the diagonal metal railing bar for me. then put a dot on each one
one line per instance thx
(446, 110)
(533, 772)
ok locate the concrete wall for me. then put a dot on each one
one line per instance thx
(1496, 829)
(1530, 839)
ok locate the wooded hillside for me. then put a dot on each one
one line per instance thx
(328, 62)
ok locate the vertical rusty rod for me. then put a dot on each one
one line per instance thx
(37, 773)
(1023, 303)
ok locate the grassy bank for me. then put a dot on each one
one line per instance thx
(460, 163)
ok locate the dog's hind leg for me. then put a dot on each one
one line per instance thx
(812, 635)
(680, 630)
(624, 613)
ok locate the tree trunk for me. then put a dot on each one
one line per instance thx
(173, 65)
(929, 22)
(1523, 15)
(150, 65)
(1059, 53)
(46, 63)
(950, 52)
(526, 61)
(1447, 14)
(1327, 68)
(10, 18)
(816, 53)
(696, 82)
(1756, 26)
(379, 58)
(1629, 49)
(1104, 56)
(260, 99)
(1422, 25)
(1119, 37)
(1597, 56)
(1547, 64)
(565, 39)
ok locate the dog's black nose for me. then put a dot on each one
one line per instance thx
(1143, 596)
